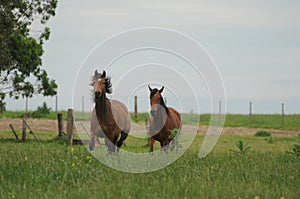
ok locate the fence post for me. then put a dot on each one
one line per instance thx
(13, 130)
(282, 115)
(56, 103)
(24, 128)
(60, 125)
(250, 112)
(220, 109)
(135, 107)
(26, 105)
(82, 105)
(70, 126)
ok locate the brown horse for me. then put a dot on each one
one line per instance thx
(112, 115)
(164, 119)
(95, 128)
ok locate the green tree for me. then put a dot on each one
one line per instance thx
(21, 48)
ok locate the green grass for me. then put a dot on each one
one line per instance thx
(51, 116)
(262, 121)
(291, 122)
(19, 114)
(55, 170)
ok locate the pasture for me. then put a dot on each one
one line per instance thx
(53, 169)
(266, 121)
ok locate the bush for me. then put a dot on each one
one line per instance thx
(243, 148)
(270, 139)
(262, 134)
(41, 111)
(295, 150)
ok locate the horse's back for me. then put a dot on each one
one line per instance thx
(121, 115)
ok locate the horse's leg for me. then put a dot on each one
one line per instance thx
(151, 141)
(92, 141)
(107, 143)
(121, 140)
(114, 142)
(172, 144)
(161, 145)
(165, 144)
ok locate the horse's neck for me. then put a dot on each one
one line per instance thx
(103, 107)
(160, 118)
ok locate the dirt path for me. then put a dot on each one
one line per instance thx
(42, 125)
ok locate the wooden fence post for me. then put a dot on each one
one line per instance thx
(30, 131)
(26, 105)
(70, 126)
(82, 105)
(220, 109)
(56, 103)
(13, 130)
(24, 128)
(250, 112)
(135, 107)
(60, 125)
(282, 115)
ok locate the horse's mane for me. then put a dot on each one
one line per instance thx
(162, 102)
(108, 85)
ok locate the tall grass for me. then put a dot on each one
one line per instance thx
(54, 170)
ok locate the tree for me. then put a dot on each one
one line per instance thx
(21, 48)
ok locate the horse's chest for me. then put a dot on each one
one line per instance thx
(160, 135)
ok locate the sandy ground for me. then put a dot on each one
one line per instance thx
(41, 125)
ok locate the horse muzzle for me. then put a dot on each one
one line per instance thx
(153, 112)
(97, 94)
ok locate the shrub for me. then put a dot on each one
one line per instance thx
(41, 111)
(243, 148)
(270, 139)
(262, 134)
(295, 150)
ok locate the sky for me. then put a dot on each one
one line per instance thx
(254, 46)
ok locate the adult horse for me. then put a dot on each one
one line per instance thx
(112, 115)
(95, 128)
(164, 119)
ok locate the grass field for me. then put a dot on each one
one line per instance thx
(52, 169)
(268, 121)
(55, 170)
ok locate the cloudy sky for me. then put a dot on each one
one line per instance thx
(255, 45)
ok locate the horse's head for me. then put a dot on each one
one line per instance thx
(156, 100)
(102, 84)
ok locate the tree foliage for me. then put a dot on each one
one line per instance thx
(21, 48)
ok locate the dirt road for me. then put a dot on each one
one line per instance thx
(42, 125)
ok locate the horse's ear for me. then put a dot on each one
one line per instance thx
(95, 73)
(161, 90)
(103, 74)
(150, 89)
